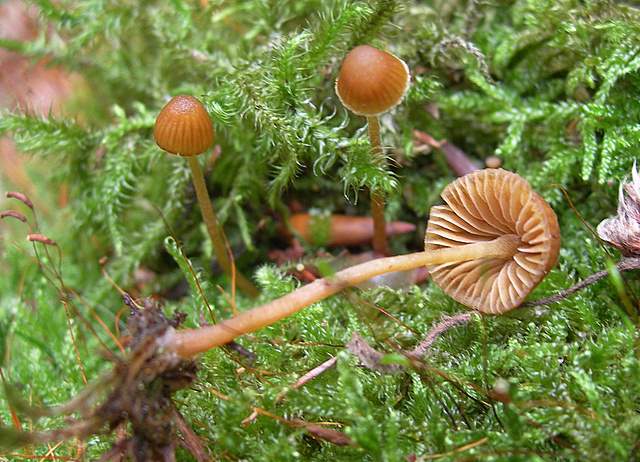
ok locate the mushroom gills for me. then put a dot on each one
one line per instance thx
(483, 206)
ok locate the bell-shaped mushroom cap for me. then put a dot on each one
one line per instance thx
(480, 207)
(371, 81)
(183, 127)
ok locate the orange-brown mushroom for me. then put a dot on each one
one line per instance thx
(371, 82)
(490, 244)
(480, 207)
(183, 127)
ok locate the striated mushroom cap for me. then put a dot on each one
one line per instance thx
(480, 207)
(183, 127)
(371, 81)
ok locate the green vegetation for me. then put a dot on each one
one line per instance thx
(552, 87)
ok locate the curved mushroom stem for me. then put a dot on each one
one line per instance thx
(377, 199)
(189, 342)
(218, 239)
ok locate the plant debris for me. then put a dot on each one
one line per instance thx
(138, 391)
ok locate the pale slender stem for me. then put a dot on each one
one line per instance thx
(216, 233)
(377, 199)
(189, 342)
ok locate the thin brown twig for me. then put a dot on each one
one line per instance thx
(309, 376)
(626, 264)
(83, 373)
(190, 440)
(372, 359)
(447, 323)
(315, 372)
(51, 451)
(64, 292)
(14, 415)
(582, 219)
(458, 160)
(37, 457)
(455, 451)
(316, 430)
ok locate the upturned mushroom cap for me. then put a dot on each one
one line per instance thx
(183, 127)
(480, 207)
(371, 81)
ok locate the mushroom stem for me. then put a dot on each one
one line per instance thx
(218, 239)
(377, 199)
(193, 341)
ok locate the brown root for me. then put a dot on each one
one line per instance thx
(137, 392)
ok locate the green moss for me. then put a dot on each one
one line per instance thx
(550, 86)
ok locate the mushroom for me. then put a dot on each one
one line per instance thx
(488, 246)
(483, 207)
(341, 230)
(183, 127)
(372, 82)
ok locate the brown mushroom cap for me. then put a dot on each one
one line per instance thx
(371, 81)
(480, 207)
(183, 127)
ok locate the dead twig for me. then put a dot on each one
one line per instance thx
(626, 264)
(315, 372)
(443, 326)
(190, 440)
(372, 359)
(316, 430)
(457, 159)
(453, 452)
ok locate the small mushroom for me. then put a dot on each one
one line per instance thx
(488, 246)
(372, 82)
(481, 207)
(183, 127)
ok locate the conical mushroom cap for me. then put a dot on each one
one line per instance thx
(371, 81)
(183, 127)
(480, 207)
